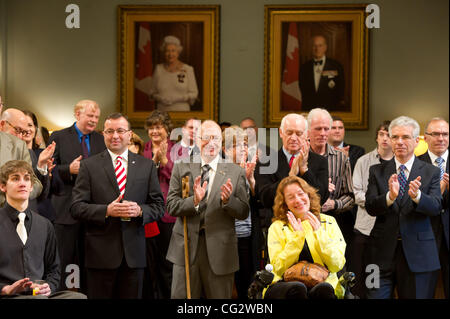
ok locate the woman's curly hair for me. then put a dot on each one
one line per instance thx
(280, 208)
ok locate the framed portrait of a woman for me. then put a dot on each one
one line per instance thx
(168, 60)
(316, 56)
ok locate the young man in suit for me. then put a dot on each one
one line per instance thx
(73, 144)
(28, 249)
(436, 136)
(403, 194)
(116, 193)
(321, 79)
(217, 196)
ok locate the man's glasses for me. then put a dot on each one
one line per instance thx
(18, 130)
(207, 138)
(119, 131)
(438, 134)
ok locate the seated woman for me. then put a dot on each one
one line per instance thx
(299, 232)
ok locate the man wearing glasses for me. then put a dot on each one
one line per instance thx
(116, 193)
(217, 196)
(73, 144)
(403, 194)
(436, 136)
(12, 127)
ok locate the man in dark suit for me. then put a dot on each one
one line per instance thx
(217, 196)
(28, 249)
(116, 193)
(336, 139)
(73, 144)
(321, 79)
(403, 194)
(436, 136)
(293, 158)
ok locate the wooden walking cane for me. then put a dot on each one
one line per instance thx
(185, 194)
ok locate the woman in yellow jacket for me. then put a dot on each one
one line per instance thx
(299, 232)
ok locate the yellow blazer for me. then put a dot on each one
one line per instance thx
(327, 247)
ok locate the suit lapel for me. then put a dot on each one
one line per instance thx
(415, 172)
(109, 171)
(131, 172)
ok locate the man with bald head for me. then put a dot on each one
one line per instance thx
(12, 127)
(321, 79)
(436, 136)
(217, 196)
(294, 158)
(73, 144)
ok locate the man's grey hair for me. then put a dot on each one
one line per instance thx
(316, 112)
(405, 121)
(293, 116)
(434, 119)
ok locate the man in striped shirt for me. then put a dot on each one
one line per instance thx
(341, 198)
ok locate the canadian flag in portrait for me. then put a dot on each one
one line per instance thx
(143, 69)
(291, 96)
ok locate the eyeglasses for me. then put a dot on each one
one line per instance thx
(18, 130)
(207, 138)
(119, 131)
(438, 134)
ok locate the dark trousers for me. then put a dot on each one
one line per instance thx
(70, 240)
(243, 277)
(409, 285)
(357, 262)
(121, 283)
(298, 290)
(443, 257)
(158, 274)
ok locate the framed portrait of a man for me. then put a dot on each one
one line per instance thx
(316, 56)
(168, 60)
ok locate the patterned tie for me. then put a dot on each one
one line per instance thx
(84, 147)
(21, 230)
(121, 176)
(205, 178)
(402, 181)
(291, 160)
(440, 162)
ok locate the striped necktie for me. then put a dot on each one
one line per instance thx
(121, 175)
(291, 160)
(440, 162)
(402, 181)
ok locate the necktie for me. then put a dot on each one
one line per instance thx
(21, 230)
(205, 178)
(291, 160)
(318, 62)
(121, 175)
(84, 147)
(402, 181)
(440, 162)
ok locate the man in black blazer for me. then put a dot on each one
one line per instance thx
(403, 194)
(321, 79)
(114, 217)
(293, 158)
(436, 136)
(70, 143)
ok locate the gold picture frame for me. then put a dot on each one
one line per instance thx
(342, 88)
(197, 28)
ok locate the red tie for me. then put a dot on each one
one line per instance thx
(291, 160)
(121, 175)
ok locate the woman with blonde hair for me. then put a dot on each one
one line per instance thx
(299, 232)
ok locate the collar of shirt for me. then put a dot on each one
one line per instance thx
(114, 156)
(341, 145)
(433, 157)
(14, 214)
(80, 135)
(289, 155)
(213, 163)
(408, 164)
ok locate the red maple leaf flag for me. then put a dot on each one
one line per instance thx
(143, 69)
(291, 96)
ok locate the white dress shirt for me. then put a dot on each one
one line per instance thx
(408, 166)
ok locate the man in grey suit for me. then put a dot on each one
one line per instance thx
(12, 147)
(217, 196)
